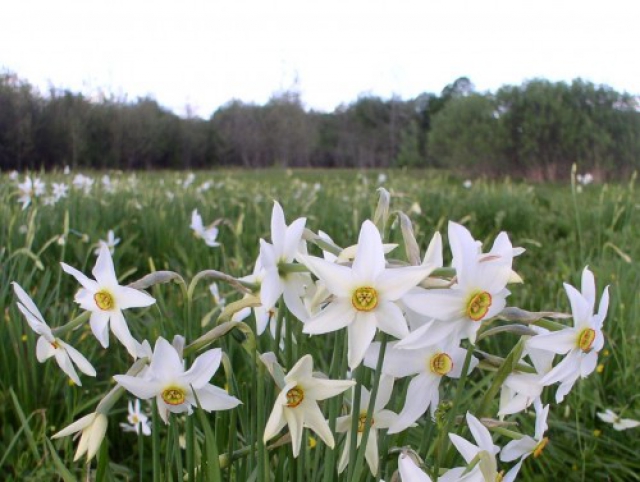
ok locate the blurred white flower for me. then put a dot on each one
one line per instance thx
(111, 243)
(106, 299)
(48, 345)
(215, 292)
(175, 389)
(60, 190)
(137, 421)
(208, 235)
(609, 416)
(467, 184)
(29, 189)
(85, 183)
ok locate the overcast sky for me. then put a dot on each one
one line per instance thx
(206, 52)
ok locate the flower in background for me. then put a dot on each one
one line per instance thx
(609, 416)
(215, 292)
(138, 422)
(379, 419)
(581, 343)
(29, 189)
(297, 404)
(467, 184)
(208, 235)
(364, 294)
(85, 183)
(60, 190)
(106, 299)
(93, 428)
(177, 390)
(48, 345)
(110, 243)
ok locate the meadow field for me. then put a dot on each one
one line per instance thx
(564, 227)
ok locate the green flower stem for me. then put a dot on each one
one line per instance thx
(443, 435)
(336, 371)
(285, 268)
(358, 374)
(507, 433)
(263, 474)
(372, 400)
(72, 325)
(549, 325)
(241, 286)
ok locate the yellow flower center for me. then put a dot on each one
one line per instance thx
(104, 300)
(365, 298)
(362, 420)
(500, 476)
(295, 397)
(540, 447)
(54, 344)
(174, 396)
(478, 305)
(441, 364)
(586, 339)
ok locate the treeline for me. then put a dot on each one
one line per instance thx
(538, 130)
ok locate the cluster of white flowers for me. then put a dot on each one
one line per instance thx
(428, 319)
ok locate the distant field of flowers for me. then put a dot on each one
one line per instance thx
(318, 326)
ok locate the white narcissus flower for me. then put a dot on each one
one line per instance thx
(48, 345)
(138, 422)
(276, 281)
(429, 365)
(174, 388)
(208, 235)
(520, 389)
(527, 445)
(409, 471)
(380, 419)
(485, 449)
(364, 295)
(93, 428)
(581, 343)
(297, 404)
(263, 316)
(609, 416)
(479, 292)
(106, 299)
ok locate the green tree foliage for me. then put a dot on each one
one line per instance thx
(538, 130)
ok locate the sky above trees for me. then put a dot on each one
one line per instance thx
(205, 52)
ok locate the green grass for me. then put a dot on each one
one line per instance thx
(562, 230)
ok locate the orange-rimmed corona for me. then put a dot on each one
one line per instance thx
(478, 305)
